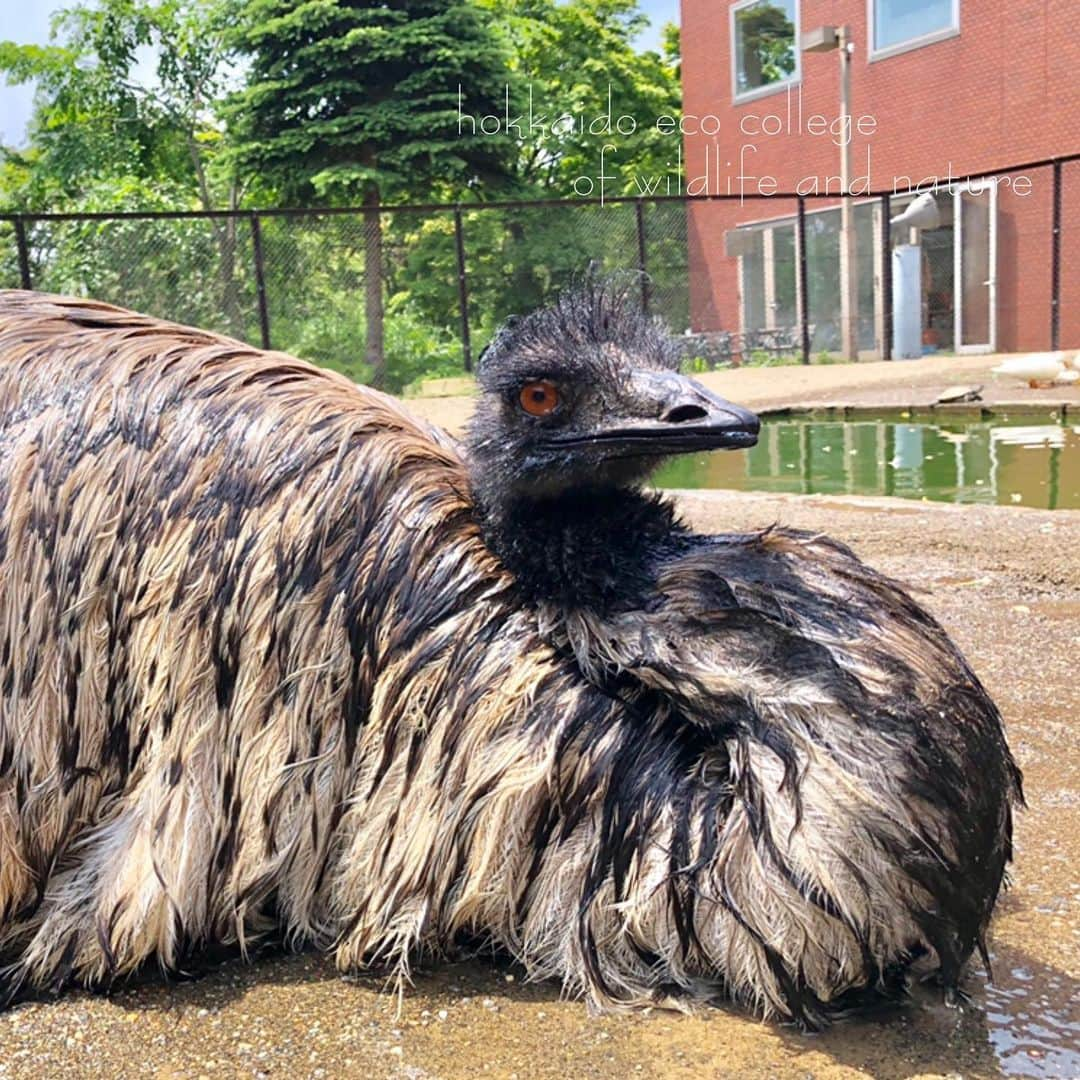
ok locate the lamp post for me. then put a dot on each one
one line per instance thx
(825, 39)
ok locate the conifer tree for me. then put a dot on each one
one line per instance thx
(355, 101)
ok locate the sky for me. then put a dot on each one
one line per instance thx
(27, 22)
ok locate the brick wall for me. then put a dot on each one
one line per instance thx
(1002, 91)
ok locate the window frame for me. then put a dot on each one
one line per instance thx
(740, 97)
(768, 261)
(920, 42)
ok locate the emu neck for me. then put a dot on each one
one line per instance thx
(595, 549)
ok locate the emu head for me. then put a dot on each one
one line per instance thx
(586, 395)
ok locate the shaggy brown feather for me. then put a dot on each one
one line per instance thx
(259, 670)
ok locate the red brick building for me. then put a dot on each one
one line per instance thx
(940, 88)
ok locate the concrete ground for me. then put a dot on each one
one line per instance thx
(885, 383)
(1006, 583)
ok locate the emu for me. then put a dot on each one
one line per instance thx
(268, 667)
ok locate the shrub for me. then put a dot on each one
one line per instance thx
(332, 335)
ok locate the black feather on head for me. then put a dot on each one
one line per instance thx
(565, 337)
(585, 396)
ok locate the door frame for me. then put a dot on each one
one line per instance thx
(976, 187)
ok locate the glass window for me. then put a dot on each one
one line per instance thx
(866, 248)
(785, 314)
(764, 44)
(822, 277)
(753, 283)
(900, 21)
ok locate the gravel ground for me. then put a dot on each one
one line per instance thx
(1006, 582)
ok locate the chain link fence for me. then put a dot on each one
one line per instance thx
(743, 278)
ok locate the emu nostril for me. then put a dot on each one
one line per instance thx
(682, 413)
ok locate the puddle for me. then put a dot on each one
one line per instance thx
(1033, 1023)
(1010, 462)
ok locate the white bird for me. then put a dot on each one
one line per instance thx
(1036, 368)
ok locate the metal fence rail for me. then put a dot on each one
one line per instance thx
(298, 279)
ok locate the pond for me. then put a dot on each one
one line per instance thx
(1031, 459)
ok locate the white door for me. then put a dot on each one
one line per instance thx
(975, 266)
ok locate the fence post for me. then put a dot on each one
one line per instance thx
(1055, 264)
(24, 253)
(802, 292)
(642, 264)
(463, 289)
(260, 281)
(886, 280)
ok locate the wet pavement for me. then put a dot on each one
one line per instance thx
(1006, 582)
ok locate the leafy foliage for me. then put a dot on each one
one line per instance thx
(206, 104)
(127, 97)
(579, 70)
(347, 100)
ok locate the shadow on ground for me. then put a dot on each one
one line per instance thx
(295, 1015)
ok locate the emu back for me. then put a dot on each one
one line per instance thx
(260, 674)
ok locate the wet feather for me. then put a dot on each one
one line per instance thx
(261, 672)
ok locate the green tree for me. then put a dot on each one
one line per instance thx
(125, 115)
(332, 103)
(578, 59)
(351, 100)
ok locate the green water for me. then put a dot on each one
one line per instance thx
(1031, 460)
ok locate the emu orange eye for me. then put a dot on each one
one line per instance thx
(539, 398)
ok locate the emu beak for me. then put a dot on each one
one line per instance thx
(668, 413)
